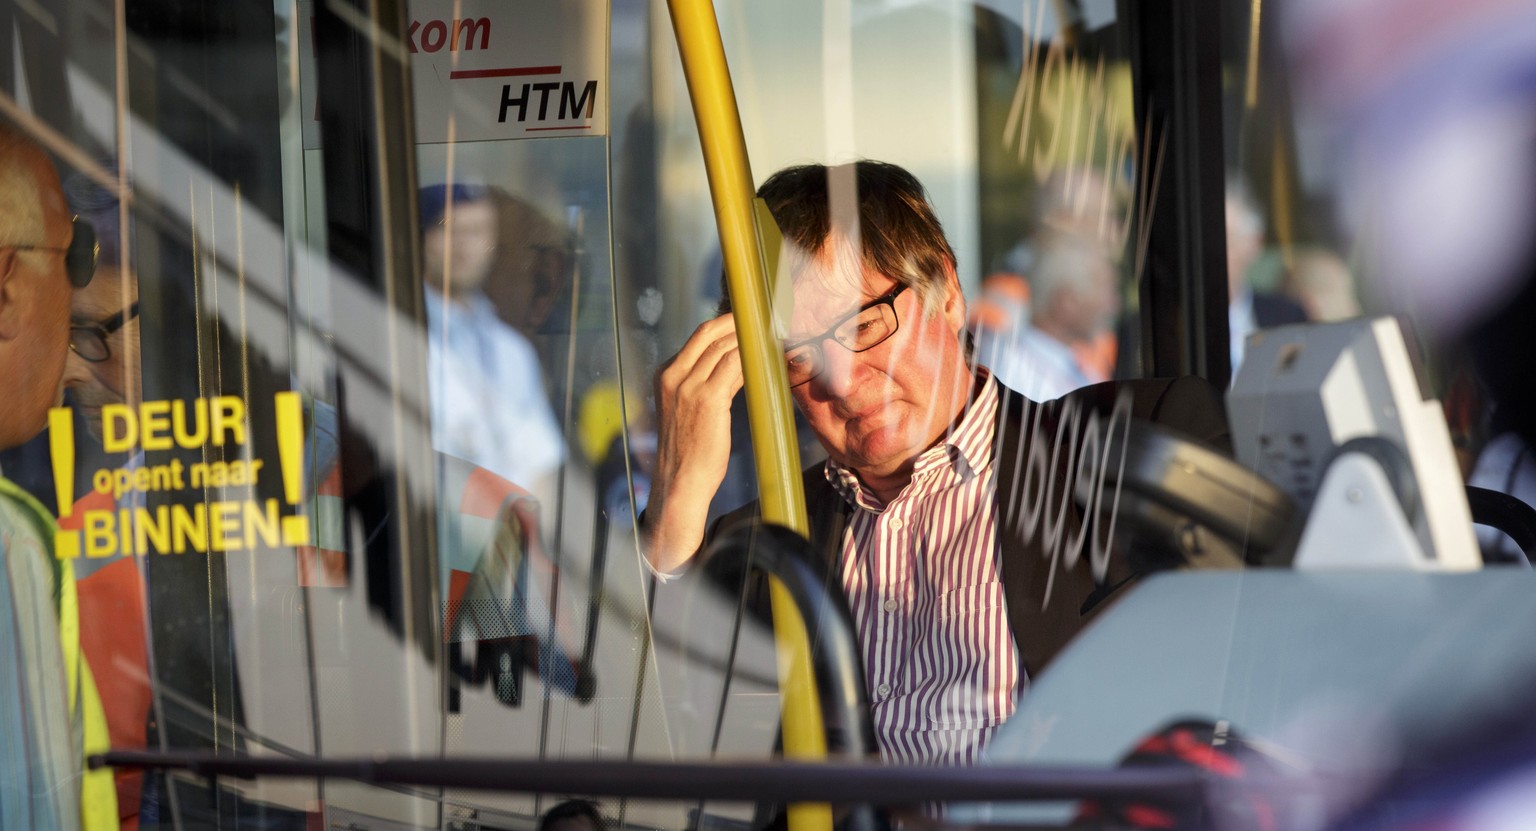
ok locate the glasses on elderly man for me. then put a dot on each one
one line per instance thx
(79, 255)
(864, 328)
(89, 340)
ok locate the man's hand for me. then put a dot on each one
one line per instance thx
(693, 405)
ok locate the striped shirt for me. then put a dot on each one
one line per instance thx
(922, 579)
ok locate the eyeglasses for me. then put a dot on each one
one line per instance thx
(864, 328)
(90, 341)
(79, 255)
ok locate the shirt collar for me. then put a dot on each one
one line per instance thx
(474, 305)
(966, 448)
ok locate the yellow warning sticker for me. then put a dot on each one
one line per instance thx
(112, 521)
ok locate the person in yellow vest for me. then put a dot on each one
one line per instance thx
(50, 713)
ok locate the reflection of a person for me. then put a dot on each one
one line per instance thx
(573, 815)
(1044, 324)
(948, 601)
(1321, 282)
(104, 368)
(1073, 301)
(123, 599)
(489, 404)
(1249, 310)
(50, 712)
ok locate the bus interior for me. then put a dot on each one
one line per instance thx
(343, 565)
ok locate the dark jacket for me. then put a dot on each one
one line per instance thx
(1044, 613)
(1271, 310)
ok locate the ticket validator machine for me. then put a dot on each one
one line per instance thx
(1373, 626)
(1334, 415)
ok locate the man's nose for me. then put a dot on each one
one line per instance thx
(77, 370)
(840, 370)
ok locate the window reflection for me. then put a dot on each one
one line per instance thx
(489, 403)
(1249, 309)
(1049, 321)
(542, 326)
(112, 599)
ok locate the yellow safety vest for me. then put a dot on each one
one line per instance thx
(98, 794)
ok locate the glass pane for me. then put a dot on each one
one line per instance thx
(1371, 158)
(311, 509)
(234, 480)
(1339, 187)
(1035, 158)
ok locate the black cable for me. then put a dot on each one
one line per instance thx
(725, 684)
(1506, 514)
(634, 715)
(1509, 488)
(595, 596)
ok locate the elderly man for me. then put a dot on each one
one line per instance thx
(963, 578)
(1073, 301)
(49, 711)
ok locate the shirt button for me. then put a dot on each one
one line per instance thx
(884, 690)
(897, 524)
(890, 605)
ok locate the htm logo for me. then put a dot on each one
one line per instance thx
(456, 34)
(571, 105)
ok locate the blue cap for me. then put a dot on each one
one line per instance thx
(435, 199)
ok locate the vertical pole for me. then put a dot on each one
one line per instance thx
(1176, 67)
(745, 238)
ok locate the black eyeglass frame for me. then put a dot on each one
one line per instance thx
(101, 330)
(79, 256)
(887, 299)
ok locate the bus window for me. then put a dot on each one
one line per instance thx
(1328, 199)
(1034, 176)
(360, 424)
(359, 420)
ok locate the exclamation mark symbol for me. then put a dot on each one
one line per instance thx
(290, 451)
(61, 447)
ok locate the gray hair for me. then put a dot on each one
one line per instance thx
(1240, 193)
(20, 190)
(1061, 260)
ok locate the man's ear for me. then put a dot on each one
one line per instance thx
(10, 309)
(954, 299)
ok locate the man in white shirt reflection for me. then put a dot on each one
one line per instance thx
(488, 401)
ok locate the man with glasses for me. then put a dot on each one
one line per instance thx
(35, 235)
(103, 363)
(919, 512)
(104, 367)
(129, 604)
(50, 714)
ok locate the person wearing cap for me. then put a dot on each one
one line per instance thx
(489, 404)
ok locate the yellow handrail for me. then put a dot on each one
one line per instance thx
(748, 237)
